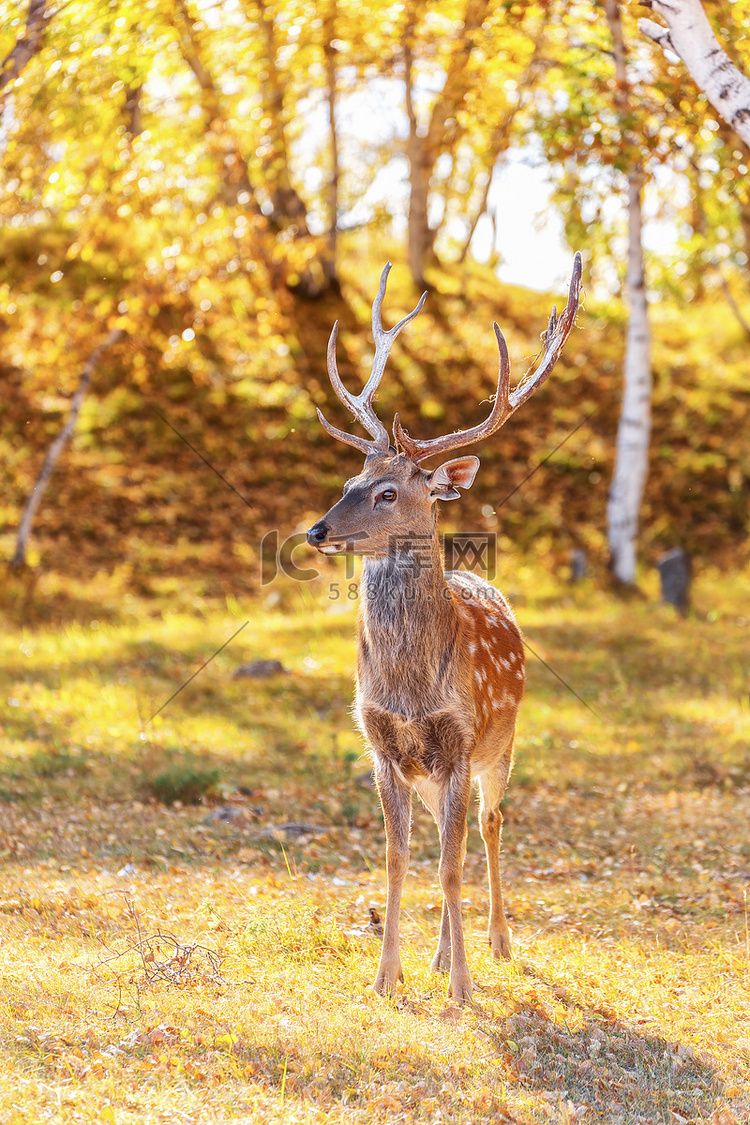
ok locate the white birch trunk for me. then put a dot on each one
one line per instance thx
(54, 451)
(634, 430)
(690, 36)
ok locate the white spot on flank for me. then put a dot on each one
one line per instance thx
(478, 675)
(519, 675)
(472, 647)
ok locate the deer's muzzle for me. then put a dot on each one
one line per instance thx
(317, 534)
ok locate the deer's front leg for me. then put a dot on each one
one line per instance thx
(454, 806)
(395, 797)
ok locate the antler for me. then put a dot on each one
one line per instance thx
(361, 405)
(506, 402)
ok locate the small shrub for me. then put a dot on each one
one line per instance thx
(52, 762)
(183, 781)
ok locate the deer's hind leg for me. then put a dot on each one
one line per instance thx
(429, 794)
(491, 789)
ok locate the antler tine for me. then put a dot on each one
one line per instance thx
(554, 339)
(383, 339)
(361, 405)
(420, 450)
(360, 443)
(505, 403)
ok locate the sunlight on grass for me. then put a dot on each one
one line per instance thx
(214, 960)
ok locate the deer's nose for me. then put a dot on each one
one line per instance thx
(317, 533)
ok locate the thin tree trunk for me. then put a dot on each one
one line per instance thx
(288, 207)
(37, 19)
(741, 190)
(54, 451)
(418, 234)
(329, 33)
(690, 36)
(236, 188)
(501, 134)
(479, 211)
(634, 429)
(133, 115)
(736, 310)
(423, 151)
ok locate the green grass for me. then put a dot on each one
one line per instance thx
(626, 861)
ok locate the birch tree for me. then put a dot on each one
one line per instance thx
(634, 429)
(689, 35)
(54, 451)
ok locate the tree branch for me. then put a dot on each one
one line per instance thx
(689, 35)
(231, 165)
(25, 49)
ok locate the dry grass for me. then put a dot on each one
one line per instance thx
(187, 963)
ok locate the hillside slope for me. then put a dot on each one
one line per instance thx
(130, 493)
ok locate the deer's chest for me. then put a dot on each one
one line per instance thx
(431, 745)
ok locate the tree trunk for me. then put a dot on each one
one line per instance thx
(133, 115)
(501, 134)
(54, 451)
(419, 235)
(329, 34)
(731, 301)
(37, 19)
(288, 211)
(690, 36)
(288, 207)
(634, 430)
(423, 151)
(236, 188)
(481, 209)
(734, 142)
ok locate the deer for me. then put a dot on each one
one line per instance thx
(440, 658)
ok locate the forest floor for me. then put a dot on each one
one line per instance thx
(163, 960)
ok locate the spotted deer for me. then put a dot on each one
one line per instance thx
(440, 659)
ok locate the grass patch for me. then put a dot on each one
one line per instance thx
(167, 960)
(184, 782)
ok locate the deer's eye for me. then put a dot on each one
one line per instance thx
(388, 494)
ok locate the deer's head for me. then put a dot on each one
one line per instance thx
(393, 496)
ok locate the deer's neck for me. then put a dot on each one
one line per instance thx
(407, 628)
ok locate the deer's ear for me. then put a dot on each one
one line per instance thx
(446, 479)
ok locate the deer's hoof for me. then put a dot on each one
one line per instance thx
(461, 990)
(441, 962)
(500, 946)
(386, 982)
